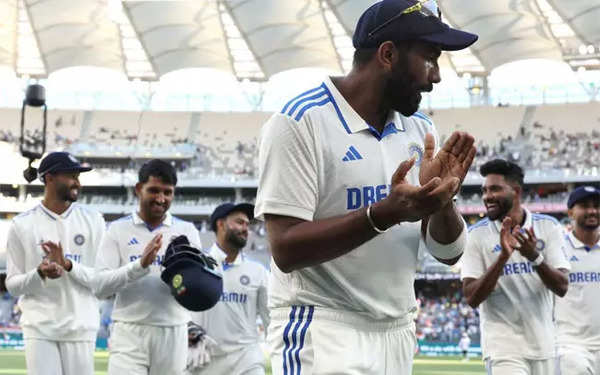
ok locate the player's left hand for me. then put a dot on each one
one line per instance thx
(526, 242)
(453, 160)
(54, 253)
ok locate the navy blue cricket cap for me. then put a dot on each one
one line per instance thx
(192, 275)
(400, 20)
(582, 193)
(227, 208)
(57, 162)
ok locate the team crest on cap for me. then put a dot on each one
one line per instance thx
(244, 280)
(79, 239)
(177, 280)
(540, 244)
(416, 151)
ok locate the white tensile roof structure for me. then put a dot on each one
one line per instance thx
(255, 39)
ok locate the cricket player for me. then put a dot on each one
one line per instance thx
(51, 251)
(578, 326)
(351, 184)
(232, 322)
(513, 264)
(149, 334)
(463, 345)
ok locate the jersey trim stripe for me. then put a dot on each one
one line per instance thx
(337, 110)
(311, 310)
(306, 107)
(295, 338)
(318, 95)
(480, 223)
(284, 110)
(286, 339)
(422, 116)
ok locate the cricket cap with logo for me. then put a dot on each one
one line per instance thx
(192, 275)
(60, 162)
(403, 20)
(581, 193)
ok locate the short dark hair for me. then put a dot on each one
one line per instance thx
(511, 171)
(160, 169)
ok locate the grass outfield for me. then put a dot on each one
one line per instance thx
(12, 362)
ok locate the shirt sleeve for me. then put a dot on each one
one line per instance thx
(111, 275)
(86, 274)
(194, 237)
(18, 280)
(556, 248)
(288, 177)
(473, 265)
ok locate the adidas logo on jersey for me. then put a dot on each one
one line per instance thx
(574, 259)
(496, 248)
(352, 154)
(133, 241)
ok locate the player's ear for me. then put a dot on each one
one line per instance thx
(570, 213)
(138, 189)
(386, 55)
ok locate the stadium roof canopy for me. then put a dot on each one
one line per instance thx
(256, 39)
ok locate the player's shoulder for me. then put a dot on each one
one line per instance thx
(89, 212)
(480, 226)
(183, 223)
(25, 216)
(421, 119)
(307, 101)
(185, 226)
(545, 219)
(122, 222)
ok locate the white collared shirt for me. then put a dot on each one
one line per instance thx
(319, 159)
(55, 309)
(232, 321)
(516, 318)
(578, 313)
(141, 295)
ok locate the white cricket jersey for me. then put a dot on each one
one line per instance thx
(141, 295)
(516, 318)
(232, 321)
(464, 343)
(319, 159)
(577, 313)
(63, 309)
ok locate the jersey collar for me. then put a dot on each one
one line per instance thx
(137, 220)
(219, 255)
(54, 215)
(352, 121)
(576, 244)
(527, 225)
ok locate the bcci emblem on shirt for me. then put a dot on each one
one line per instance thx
(416, 151)
(79, 239)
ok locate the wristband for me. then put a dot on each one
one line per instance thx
(373, 223)
(537, 261)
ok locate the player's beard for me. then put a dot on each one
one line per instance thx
(582, 222)
(504, 206)
(401, 92)
(235, 239)
(154, 210)
(65, 193)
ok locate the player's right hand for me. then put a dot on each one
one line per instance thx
(50, 270)
(151, 250)
(508, 241)
(408, 202)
